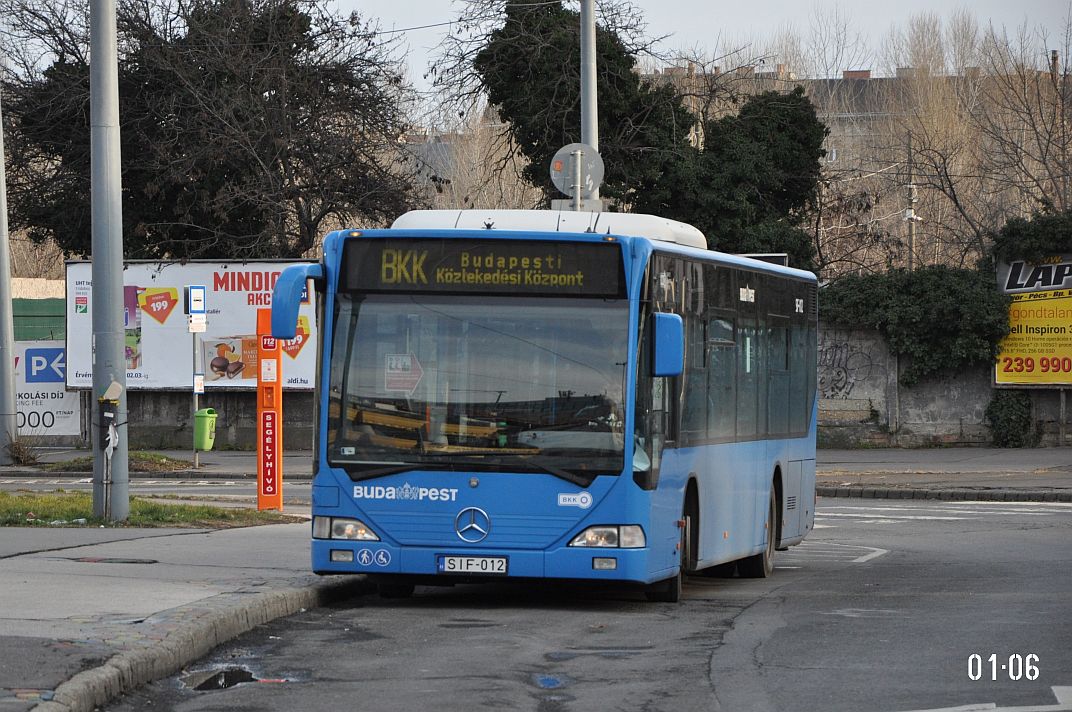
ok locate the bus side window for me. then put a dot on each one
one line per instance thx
(747, 357)
(722, 379)
(781, 405)
(696, 397)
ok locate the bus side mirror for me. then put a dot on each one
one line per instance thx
(668, 334)
(287, 295)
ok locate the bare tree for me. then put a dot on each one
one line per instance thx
(1026, 103)
(472, 167)
(981, 118)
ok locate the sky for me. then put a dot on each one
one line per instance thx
(700, 23)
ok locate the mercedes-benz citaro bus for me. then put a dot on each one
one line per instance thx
(555, 395)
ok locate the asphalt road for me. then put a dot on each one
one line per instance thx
(879, 610)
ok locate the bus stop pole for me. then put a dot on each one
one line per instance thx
(193, 377)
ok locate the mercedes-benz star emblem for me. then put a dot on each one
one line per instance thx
(472, 525)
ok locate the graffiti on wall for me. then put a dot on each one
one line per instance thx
(844, 362)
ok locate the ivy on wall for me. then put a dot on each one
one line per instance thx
(946, 319)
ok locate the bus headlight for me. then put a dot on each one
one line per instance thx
(627, 536)
(342, 528)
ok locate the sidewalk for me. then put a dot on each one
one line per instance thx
(90, 613)
(215, 464)
(1033, 474)
(988, 474)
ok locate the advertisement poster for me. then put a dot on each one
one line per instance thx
(1038, 349)
(159, 346)
(44, 407)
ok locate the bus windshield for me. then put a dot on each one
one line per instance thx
(481, 382)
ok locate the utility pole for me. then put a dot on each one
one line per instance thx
(589, 93)
(8, 424)
(910, 212)
(577, 169)
(110, 476)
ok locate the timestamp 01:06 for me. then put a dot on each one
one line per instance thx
(1017, 667)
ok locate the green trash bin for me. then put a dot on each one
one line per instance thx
(204, 429)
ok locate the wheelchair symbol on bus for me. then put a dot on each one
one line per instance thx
(383, 557)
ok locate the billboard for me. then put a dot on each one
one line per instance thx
(1038, 349)
(44, 407)
(159, 346)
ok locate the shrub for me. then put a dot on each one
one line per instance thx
(1010, 421)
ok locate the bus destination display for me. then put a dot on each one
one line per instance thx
(484, 266)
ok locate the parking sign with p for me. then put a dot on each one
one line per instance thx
(45, 365)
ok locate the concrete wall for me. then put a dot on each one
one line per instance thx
(164, 419)
(861, 403)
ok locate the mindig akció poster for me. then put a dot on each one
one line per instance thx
(160, 350)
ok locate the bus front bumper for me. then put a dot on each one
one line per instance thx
(605, 564)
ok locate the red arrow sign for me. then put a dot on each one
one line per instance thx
(158, 305)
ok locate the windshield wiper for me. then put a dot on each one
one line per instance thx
(543, 466)
(505, 460)
(361, 474)
(582, 451)
(439, 450)
(574, 477)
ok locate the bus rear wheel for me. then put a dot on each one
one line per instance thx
(761, 565)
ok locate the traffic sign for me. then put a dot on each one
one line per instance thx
(195, 298)
(564, 173)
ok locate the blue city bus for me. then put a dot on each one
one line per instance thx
(555, 395)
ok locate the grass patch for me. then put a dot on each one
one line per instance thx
(137, 461)
(74, 509)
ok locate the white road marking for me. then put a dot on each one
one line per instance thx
(864, 612)
(866, 514)
(1063, 695)
(960, 508)
(833, 552)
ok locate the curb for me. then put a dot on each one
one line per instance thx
(952, 495)
(198, 629)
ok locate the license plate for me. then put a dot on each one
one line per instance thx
(495, 565)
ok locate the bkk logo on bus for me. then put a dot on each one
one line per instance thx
(405, 492)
